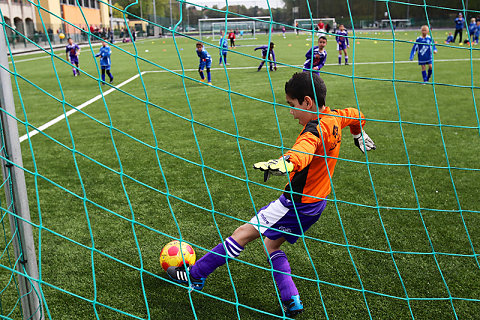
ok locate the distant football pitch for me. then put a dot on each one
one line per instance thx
(166, 157)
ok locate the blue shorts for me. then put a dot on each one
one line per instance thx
(74, 59)
(422, 63)
(279, 218)
(341, 46)
(203, 64)
(105, 67)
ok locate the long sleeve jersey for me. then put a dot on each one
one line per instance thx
(265, 51)
(472, 28)
(203, 55)
(315, 58)
(223, 46)
(342, 36)
(424, 47)
(459, 23)
(105, 53)
(315, 153)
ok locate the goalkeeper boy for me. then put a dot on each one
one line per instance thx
(309, 164)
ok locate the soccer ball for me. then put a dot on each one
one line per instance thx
(61, 36)
(171, 255)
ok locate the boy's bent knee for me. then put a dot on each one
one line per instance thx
(245, 233)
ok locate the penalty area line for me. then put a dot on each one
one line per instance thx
(80, 107)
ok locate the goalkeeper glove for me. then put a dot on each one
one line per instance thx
(277, 167)
(360, 138)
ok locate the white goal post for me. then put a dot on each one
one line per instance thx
(212, 27)
(311, 24)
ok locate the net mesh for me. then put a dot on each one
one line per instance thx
(115, 171)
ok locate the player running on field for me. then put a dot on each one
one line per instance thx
(424, 45)
(205, 62)
(316, 57)
(342, 43)
(72, 51)
(105, 61)
(310, 164)
(267, 50)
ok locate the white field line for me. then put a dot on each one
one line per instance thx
(80, 107)
(98, 97)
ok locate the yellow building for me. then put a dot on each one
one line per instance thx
(90, 14)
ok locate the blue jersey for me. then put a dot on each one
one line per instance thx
(223, 46)
(472, 28)
(265, 50)
(459, 22)
(104, 54)
(204, 56)
(424, 48)
(72, 49)
(449, 39)
(341, 37)
(315, 58)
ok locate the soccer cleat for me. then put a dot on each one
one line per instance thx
(202, 80)
(209, 83)
(111, 81)
(179, 275)
(293, 307)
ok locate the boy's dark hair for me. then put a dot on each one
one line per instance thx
(322, 37)
(199, 44)
(272, 44)
(300, 86)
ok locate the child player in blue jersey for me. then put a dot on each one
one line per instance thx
(424, 45)
(472, 29)
(342, 43)
(72, 51)
(316, 57)
(449, 38)
(205, 62)
(105, 62)
(271, 56)
(310, 164)
(223, 50)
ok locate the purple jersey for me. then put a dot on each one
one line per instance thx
(315, 58)
(72, 49)
(265, 51)
(341, 37)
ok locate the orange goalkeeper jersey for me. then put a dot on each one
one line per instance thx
(310, 176)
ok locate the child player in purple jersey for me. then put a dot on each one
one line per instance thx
(266, 50)
(424, 45)
(205, 61)
(72, 51)
(316, 57)
(342, 43)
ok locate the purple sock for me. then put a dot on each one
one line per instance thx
(201, 75)
(429, 74)
(211, 261)
(424, 75)
(339, 59)
(346, 59)
(284, 281)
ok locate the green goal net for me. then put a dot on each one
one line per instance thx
(114, 170)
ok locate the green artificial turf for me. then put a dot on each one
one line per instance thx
(166, 156)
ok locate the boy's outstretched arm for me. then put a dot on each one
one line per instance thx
(355, 120)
